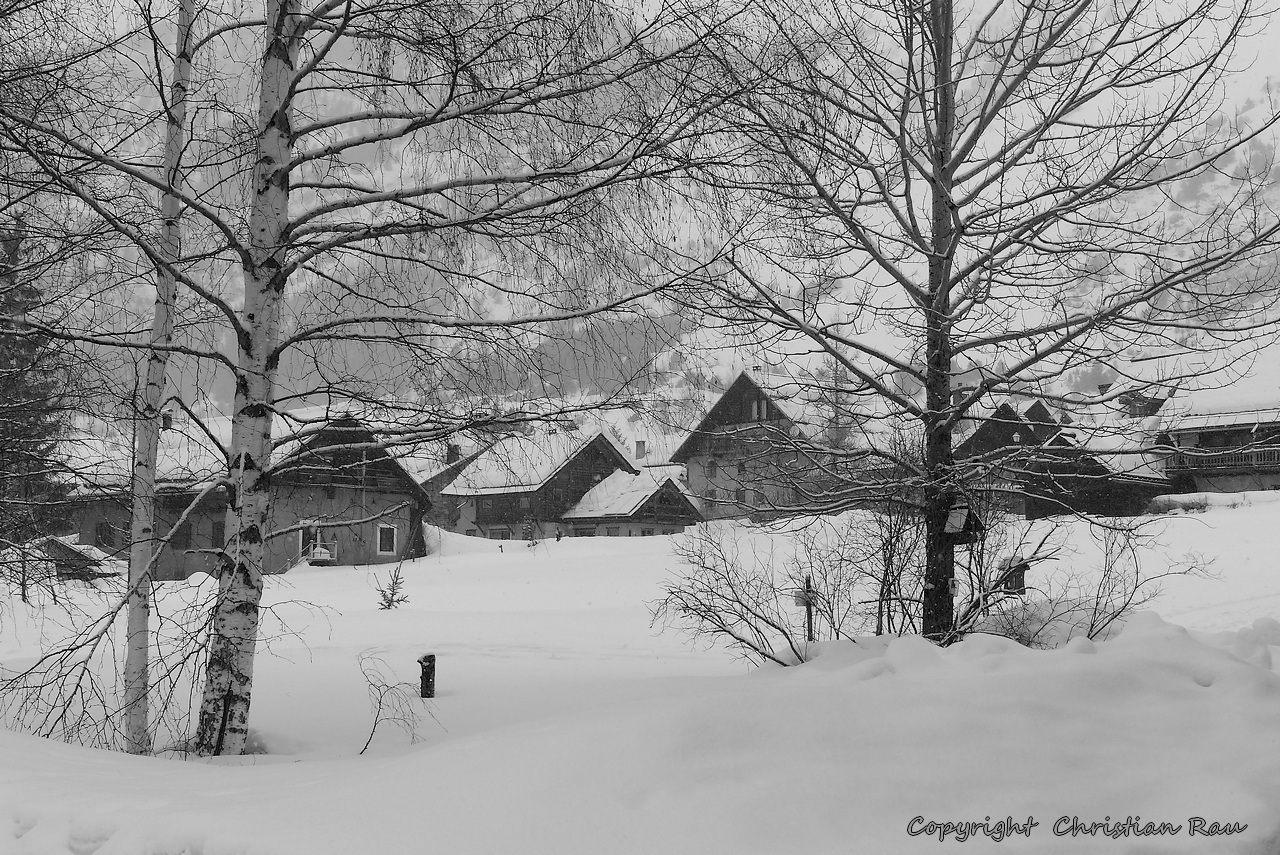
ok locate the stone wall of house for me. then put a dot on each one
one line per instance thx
(739, 479)
(347, 521)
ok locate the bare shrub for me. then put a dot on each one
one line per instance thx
(1089, 604)
(395, 703)
(866, 569)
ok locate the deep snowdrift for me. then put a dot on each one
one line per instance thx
(566, 725)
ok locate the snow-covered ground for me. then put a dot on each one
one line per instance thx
(565, 724)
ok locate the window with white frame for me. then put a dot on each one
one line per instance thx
(386, 540)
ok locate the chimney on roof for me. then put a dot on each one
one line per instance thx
(641, 449)
(452, 453)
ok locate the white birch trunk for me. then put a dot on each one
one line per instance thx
(224, 710)
(137, 678)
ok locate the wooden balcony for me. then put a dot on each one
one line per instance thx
(1227, 460)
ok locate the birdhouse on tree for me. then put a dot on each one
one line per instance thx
(1011, 575)
(963, 525)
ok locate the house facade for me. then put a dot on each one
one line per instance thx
(337, 497)
(753, 453)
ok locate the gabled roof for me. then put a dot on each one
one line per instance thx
(799, 407)
(322, 447)
(99, 455)
(622, 494)
(526, 462)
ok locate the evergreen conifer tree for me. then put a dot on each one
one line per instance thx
(33, 409)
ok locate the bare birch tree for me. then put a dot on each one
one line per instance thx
(380, 183)
(142, 543)
(960, 201)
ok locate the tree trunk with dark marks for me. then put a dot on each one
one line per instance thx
(224, 711)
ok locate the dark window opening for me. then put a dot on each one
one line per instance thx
(180, 538)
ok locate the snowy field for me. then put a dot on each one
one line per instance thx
(564, 724)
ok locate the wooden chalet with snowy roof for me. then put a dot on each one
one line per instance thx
(337, 497)
(1225, 437)
(520, 486)
(1031, 457)
(562, 479)
(626, 505)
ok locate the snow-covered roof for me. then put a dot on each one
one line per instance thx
(621, 494)
(1245, 393)
(525, 462)
(1219, 387)
(99, 454)
(1119, 443)
(427, 460)
(60, 547)
(633, 426)
(1236, 418)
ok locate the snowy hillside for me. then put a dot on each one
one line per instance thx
(564, 724)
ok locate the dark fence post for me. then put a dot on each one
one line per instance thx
(428, 663)
(808, 608)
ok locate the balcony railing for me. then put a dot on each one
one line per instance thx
(1260, 458)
